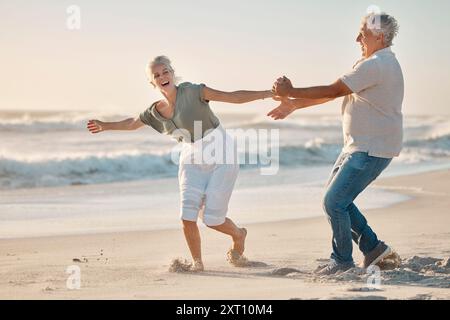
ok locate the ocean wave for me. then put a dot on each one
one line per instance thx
(74, 169)
(425, 140)
(310, 123)
(23, 173)
(69, 169)
(313, 152)
(45, 122)
(61, 121)
(88, 168)
(436, 140)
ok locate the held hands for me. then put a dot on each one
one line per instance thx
(280, 90)
(282, 87)
(95, 126)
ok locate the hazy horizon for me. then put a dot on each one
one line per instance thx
(228, 46)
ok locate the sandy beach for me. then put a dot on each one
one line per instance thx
(283, 255)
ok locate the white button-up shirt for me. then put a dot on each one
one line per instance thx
(372, 116)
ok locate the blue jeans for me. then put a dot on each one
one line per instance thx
(351, 174)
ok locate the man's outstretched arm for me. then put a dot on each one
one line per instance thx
(283, 88)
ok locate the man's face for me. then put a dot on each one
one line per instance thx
(368, 41)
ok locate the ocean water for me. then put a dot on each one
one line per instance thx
(55, 149)
(56, 178)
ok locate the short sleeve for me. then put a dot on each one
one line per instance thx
(365, 75)
(202, 93)
(146, 116)
(195, 92)
(149, 119)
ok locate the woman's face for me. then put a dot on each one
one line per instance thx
(163, 78)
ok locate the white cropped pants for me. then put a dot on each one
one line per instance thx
(207, 180)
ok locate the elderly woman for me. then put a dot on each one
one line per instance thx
(205, 186)
(372, 123)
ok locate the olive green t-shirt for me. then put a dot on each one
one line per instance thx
(190, 107)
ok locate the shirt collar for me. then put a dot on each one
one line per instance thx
(386, 50)
(156, 114)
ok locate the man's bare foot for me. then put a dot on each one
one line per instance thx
(239, 243)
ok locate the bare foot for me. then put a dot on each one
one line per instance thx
(239, 243)
(197, 266)
(236, 259)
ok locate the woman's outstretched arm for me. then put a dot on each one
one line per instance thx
(241, 96)
(96, 126)
(287, 106)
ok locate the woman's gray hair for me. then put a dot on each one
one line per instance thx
(160, 60)
(382, 23)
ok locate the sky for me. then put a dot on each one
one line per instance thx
(228, 45)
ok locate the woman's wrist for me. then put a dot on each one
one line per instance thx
(105, 125)
(296, 106)
(267, 94)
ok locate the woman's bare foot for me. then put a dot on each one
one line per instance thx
(236, 253)
(239, 242)
(197, 266)
(236, 259)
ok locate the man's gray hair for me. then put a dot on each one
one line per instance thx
(382, 23)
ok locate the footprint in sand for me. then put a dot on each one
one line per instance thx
(284, 271)
(357, 298)
(363, 289)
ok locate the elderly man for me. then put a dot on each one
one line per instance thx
(372, 127)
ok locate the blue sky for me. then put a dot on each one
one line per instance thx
(228, 45)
